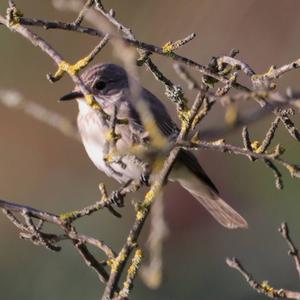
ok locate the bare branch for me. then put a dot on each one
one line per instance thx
(86, 7)
(293, 252)
(264, 287)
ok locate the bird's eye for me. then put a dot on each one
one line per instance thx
(100, 85)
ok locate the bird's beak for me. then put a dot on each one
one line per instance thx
(71, 96)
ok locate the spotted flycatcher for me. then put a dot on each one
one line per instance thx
(109, 85)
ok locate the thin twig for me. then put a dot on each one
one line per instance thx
(264, 287)
(86, 7)
(293, 252)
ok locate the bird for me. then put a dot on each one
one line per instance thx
(110, 86)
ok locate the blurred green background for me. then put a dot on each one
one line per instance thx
(42, 168)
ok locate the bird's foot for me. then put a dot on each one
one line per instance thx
(145, 179)
(117, 198)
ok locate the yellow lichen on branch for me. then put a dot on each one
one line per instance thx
(168, 47)
(13, 16)
(66, 217)
(131, 273)
(256, 146)
(272, 292)
(115, 262)
(148, 200)
(184, 117)
(72, 69)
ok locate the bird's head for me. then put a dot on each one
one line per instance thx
(104, 81)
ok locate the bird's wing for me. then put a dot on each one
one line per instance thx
(170, 130)
(159, 112)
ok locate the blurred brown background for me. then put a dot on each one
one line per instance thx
(42, 168)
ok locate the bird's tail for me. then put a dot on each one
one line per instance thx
(216, 206)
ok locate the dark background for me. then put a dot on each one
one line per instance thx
(42, 168)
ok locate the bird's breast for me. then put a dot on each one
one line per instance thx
(93, 135)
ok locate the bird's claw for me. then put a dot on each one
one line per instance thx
(117, 199)
(145, 177)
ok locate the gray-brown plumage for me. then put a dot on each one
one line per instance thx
(109, 84)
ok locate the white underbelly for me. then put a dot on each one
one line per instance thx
(93, 137)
